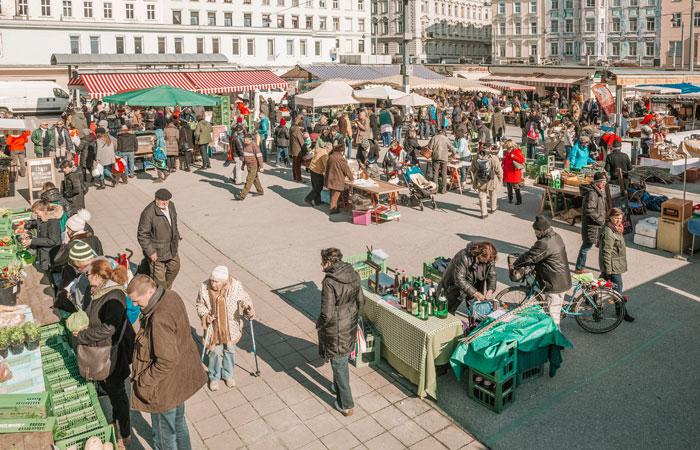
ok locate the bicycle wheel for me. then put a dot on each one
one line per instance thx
(600, 310)
(514, 296)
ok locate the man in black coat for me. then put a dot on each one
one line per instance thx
(548, 255)
(593, 216)
(159, 238)
(617, 160)
(341, 302)
(471, 274)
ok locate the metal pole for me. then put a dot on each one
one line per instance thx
(618, 107)
(682, 48)
(376, 44)
(404, 63)
(692, 36)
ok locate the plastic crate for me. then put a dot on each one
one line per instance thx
(497, 398)
(56, 329)
(430, 272)
(373, 354)
(68, 366)
(79, 422)
(531, 364)
(26, 425)
(84, 391)
(26, 406)
(78, 404)
(106, 434)
(66, 383)
(508, 369)
(363, 269)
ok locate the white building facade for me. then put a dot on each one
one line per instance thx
(248, 32)
(449, 31)
(519, 29)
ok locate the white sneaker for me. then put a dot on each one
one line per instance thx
(230, 382)
(213, 385)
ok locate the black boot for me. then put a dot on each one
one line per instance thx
(518, 197)
(627, 317)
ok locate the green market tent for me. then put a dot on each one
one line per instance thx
(162, 95)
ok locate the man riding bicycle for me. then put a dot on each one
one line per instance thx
(471, 270)
(548, 255)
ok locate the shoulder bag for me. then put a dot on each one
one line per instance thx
(97, 363)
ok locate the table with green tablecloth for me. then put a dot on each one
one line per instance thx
(532, 329)
(413, 346)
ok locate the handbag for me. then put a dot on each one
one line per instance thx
(518, 165)
(97, 363)
(426, 153)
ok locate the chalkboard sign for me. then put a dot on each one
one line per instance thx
(40, 172)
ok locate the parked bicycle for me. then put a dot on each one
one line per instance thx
(595, 304)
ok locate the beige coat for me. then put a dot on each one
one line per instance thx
(493, 183)
(364, 130)
(236, 299)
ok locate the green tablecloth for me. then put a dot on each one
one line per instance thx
(488, 352)
(412, 346)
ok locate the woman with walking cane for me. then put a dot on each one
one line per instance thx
(219, 304)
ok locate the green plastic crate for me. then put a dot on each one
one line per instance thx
(56, 329)
(68, 366)
(65, 384)
(361, 267)
(26, 406)
(373, 355)
(78, 422)
(106, 434)
(26, 425)
(430, 272)
(507, 370)
(84, 391)
(531, 364)
(498, 398)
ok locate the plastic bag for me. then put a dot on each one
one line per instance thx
(97, 170)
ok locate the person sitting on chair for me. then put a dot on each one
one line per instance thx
(471, 272)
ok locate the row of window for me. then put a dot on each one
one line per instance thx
(676, 20)
(589, 49)
(569, 4)
(517, 7)
(214, 46)
(468, 11)
(570, 26)
(266, 21)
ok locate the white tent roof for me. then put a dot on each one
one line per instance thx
(654, 89)
(413, 99)
(379, 93)
(329, 93)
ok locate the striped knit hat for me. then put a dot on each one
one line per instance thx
(81, 251)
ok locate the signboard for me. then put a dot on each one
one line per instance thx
(605, 98)
(40, 171)
(220, 139)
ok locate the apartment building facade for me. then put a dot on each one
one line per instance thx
(519, 31)
(248, 32)
(675, 35)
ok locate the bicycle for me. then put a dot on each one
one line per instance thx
(596, 305)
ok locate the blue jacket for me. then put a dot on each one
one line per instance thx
(579, 156)
(264, 126)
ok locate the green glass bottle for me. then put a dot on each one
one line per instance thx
(414, 305)
(423, 312)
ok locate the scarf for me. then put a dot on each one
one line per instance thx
(217, 300)
(61, 140)
(620, 228)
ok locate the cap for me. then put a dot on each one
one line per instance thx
(163, 194)
(479, 122)
(616, 143)
(77, 221)
(81, 251)
(541, 223)
(100, 130)
(599, 176)
(220, 273)
(365, 142)
(283, 122)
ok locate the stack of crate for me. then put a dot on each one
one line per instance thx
(495, 390)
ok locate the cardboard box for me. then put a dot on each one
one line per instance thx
(692, 175)
(669, 237)
(673, 209)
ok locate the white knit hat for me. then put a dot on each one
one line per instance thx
(220, 273)
(77, 221)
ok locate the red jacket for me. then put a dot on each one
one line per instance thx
(17, 142)
(510, 174)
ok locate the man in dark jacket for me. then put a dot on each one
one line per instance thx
(471, 274)
(617, 160)
(186, 142)
(86, 150)
(548, 255)
(127, 144)
(72, 187)
(296, 144)
(159, 238)
(166, 367)
(281, 136)
(341, 302)
(593, 214)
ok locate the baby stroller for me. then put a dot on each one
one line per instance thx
(421, 190)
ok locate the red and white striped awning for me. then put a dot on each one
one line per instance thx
(75, 82)
(506, 86)
(100, 85)
(235, 81)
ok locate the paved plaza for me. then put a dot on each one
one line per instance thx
(635, 387)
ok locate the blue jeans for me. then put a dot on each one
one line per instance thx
(582, 255)
(282, 154)
(397, 132)
(386, 138)
(348, 144)
(263, 146)
(106, 172)
(216, 371)
(424, 132)
(531, 151)
(432, 129)
(341, 381)
(129, 160)
(170, 430)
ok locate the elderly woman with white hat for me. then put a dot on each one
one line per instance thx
(219, 304)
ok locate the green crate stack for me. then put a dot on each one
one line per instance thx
(430, 272)
(532, 170)
(27, 425)
(497, 398)
(78, 422)
(26, 406)
(557, 203)
(363, 269)
(106, 434)
(85, 391)
(48, 331)
(508, 369)
(531, 364)
(373, 354)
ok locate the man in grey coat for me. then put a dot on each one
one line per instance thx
(442, 149)
(159, 238)
(593, 217)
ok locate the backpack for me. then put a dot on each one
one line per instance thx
(159, 157)
(484, 171)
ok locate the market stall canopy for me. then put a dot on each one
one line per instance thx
(506, 86)
(235, 81)
(329, 93)
(413, 99)
(162, 96)
(537, 79)
(413, 81)
(682, 88)
(653, 89)
(11, 125)
(328, 72)
(470, 85)
(378, 93)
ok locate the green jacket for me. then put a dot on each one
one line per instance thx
(612, 257)
(38, 141)
(203, 133)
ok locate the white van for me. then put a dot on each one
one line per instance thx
(30, 97)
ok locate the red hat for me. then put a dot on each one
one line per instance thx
(283, 122)
(239, 119)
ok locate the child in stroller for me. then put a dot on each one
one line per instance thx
(421, 190)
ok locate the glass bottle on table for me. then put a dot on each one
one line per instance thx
(423, 314)
(415, 301)
(397, 294)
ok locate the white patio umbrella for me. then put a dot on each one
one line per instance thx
(379, 93)
(413, 99)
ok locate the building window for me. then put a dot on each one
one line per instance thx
(290, 47)
(270, 49)
(200, 45)
(361, 46)
(295, 22)
(533, 28)
(236, 47)
(617, 3)
(569, 48)
(75, 44)
(374, 7)
(280, 2)
(119, 44)
(632, 49)
(335, 4)
(45, 8)
(295, 3)
(309, 22)
(501, 8)
(211, 18)
(177, 17)
(87, 10)
(516, 8)
(67, 8)
(616, 24)
(161, 45)
(302, 47)
(554, 48)
(616, 49)
(385, 26)
(336, 24)
(361, 25)
(95, 45)
(22, 7)
(138, 45)
(590, 3)
(151, 12)
(590, 48)
(129, 10)
(321, 3)
(650, 49)
(502, 51)
(247, 2)
(555, 26)
(697, 20)
(247, 20)
(634, 2)
(502, 28)
(533, 7)
(194, 17)
(317, 48)
(385, 7)
(266, 21)
(518, 51)
(322, 23)
(385, 48)
(228, 19)
(674, 48)
(360, 5)
(569, 4)
(107, 10)
(280, 21)
(215, 45)
(590, 25)
(266, 2)
(250, 47)
(517, 28)
(178, 45)
(555, 5)
(633, 25)
(651, 23)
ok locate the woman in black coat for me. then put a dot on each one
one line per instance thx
(48, 236)
(341, 302)
(109, 326)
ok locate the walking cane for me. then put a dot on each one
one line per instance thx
(255, 352)
(206, 339)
